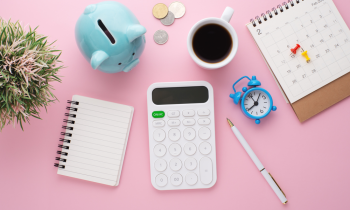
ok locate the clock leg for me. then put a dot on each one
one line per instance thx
(257, 122)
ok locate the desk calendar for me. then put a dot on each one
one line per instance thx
(319, 29)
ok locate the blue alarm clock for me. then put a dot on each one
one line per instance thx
(256, 103)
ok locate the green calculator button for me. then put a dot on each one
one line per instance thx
(158, 114)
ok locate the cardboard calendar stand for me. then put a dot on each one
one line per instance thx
(322, 98)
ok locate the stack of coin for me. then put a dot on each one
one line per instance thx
(167, 17)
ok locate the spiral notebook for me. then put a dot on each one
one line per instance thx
(317, 26)
(94, 141)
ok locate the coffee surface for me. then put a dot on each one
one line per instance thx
(212, 43)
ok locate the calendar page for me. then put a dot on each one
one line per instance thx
(319, 29)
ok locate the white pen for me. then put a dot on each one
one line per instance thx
(280, 194)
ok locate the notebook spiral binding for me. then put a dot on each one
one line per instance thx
(285, 6)
(66, 134)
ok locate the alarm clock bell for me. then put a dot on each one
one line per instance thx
(252, 83)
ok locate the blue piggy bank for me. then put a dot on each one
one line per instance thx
(110, 37)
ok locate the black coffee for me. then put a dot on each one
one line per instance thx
(212, 43)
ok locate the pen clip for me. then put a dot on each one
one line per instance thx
(277, 185)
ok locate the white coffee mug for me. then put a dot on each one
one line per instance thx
(224, 22)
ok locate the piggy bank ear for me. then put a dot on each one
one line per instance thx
(135, 31)
(90, 9)
(97, 58)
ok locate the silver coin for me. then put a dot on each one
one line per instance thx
(168, 20)
(177, 8)
(160, 37)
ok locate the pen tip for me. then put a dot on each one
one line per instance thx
(229, 122)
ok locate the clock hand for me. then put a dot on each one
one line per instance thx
(251, 107)
(252, 98)
(258, 97)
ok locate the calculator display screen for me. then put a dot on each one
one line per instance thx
(180, 95)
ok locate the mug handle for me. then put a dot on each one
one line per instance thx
(227, 14)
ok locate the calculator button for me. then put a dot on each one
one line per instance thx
(158, 114)
(190, 163)
(176, 179)
(191, 178)
(188, 122)
(173, 113)
(204, 133)
(205, 148)
(189, 134)
(158, 123)
(161, 180)
(206, 170)
(175, 149)
(188, 113)
(203, 121)
(203, 112)
(159, 150)
(173, 122)
(190, 149)
(160, 165)
(174, 134)
(175, 164)
(159, 135)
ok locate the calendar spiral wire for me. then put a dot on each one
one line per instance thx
(66, 134)
(275, 11)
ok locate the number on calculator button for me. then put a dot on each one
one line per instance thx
(175, 149)
(159, 135)
(173, 113)
(189, 134)
(160, 165)
(175, 164)
(159, 150)
(204, 133)
(190, 149)
(176, 179)
(188, 113)
(203, 112)
(174, 134)
(203, 121)
(191, 178)
(190, 163)
(161, 180)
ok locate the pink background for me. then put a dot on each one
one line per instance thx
(310, 161)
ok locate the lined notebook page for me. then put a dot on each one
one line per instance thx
(319, 29)
(98, 140)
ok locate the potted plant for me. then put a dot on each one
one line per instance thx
(28, 66)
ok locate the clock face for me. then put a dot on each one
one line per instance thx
(257, 103)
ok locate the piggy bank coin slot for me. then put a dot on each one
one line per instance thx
(105, 30)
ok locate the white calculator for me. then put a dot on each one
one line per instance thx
(181, 135)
